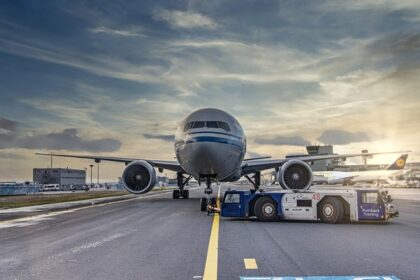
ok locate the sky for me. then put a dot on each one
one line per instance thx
(115, 77)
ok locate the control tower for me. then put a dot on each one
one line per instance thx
(322, 165)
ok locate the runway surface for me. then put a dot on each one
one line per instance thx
(161, 238)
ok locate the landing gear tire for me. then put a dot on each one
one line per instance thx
(185, 194)
(203, 204)
(331, 210)
(175, 194)
(213, 201)
(265, 209)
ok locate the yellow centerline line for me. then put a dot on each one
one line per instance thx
(210, 270)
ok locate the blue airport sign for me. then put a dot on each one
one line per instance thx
(321, 278)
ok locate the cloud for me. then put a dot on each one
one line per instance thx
(163, 137)
(117, 32)
(68, 139)
(283, 141)
(11, 155)
(341, 137)
(185, 19)
(302, 73)
(8, 125)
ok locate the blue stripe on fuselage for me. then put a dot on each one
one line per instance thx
(214, 132)
(212, 139)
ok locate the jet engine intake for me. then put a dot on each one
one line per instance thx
(139, 177)
(295, 174)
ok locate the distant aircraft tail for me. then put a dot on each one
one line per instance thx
(399, 163)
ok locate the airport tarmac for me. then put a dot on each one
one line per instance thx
(160, 238)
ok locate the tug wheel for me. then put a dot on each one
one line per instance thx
(265, 209)
(331, 210)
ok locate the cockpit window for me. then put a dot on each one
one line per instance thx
(188, 125)
(224, 126)
(198, 125)
(212, 125)
(209, 124)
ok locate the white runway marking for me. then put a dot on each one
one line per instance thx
(101, 242)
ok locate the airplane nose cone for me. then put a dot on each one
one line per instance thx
(206, 158)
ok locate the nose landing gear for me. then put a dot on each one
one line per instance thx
(209, 202)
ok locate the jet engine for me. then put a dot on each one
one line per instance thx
(139, 177)
(295, 174)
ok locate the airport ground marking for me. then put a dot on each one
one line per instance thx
(250, 264)
(210, 269)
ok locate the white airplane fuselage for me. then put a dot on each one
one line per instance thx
(210, 143)
(338, 177)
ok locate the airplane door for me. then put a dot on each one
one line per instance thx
(370, 205)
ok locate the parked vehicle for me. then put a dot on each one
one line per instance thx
(329, 205)
(50, 187)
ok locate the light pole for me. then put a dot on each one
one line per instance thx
(91, 175)
(98, 171)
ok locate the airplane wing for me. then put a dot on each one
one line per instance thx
(169, 165)
(252, 166)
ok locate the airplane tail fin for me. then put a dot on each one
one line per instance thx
(399, 163)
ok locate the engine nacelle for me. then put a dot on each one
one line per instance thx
(139, 177)
(295, 174)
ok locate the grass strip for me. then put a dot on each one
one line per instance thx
(40, 199)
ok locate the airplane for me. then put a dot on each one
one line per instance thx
(210, 146)
(349, 178)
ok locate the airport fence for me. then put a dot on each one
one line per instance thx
(19, 189)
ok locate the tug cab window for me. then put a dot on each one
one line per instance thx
(370, 197)
(224, 126)
(232, 198)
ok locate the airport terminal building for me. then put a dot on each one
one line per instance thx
(61, 176)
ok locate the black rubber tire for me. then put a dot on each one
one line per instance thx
(213, 201)
(203, 204)
(331, 210)
(175, 194)
(265, 209)
(185, 194)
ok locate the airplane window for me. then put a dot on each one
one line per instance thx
(224, 126)
(198, 125)
(212, 125)
(188, 125)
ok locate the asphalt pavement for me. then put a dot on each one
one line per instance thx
(157, 237)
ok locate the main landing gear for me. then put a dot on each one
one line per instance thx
(181, 192)
(255, 181)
